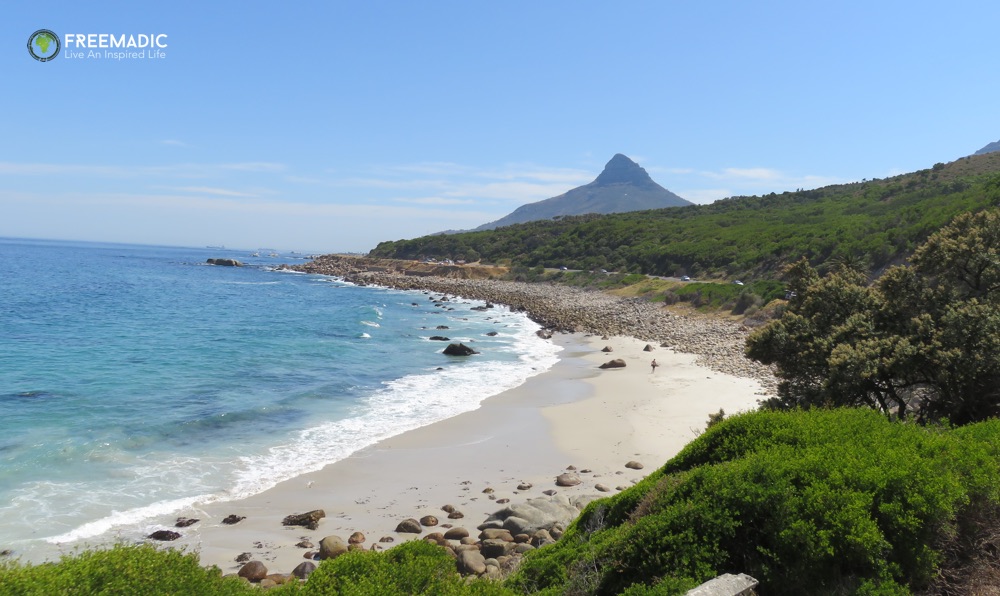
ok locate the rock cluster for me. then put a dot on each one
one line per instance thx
(502, 539)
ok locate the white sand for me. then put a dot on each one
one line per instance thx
(572, 414)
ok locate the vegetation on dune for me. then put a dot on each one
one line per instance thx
(875, 223)
(125, 570)
(414, 567)
(820, 502)
(923, 339)
(838, 501)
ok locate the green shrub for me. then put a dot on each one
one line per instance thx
(819, 502)
(414, 567)
(124, 570)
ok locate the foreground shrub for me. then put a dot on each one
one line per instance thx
(820, 502)
(414, 567)
(122, 570)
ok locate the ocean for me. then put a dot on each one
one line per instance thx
(136, 381)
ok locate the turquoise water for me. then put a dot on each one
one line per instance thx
(137, 380)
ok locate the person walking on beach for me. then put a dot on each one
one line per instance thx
(654, 365)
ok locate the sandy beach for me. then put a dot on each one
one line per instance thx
(574, 414)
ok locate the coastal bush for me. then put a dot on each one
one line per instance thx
(923, 340)
(125, 570)
(818, 502)
(414, 567)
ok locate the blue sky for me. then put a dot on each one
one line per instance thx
(330, 126)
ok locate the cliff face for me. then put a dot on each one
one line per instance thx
(622, 186)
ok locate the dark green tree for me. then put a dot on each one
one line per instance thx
(924, 339)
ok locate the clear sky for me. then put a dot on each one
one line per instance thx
(330, 125)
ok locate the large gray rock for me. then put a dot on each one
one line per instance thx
(541, 513)
(332, 547)
(725, 585)
(616, 363)
(471, 562)
(225, 262)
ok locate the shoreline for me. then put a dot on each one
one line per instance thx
(573, 415)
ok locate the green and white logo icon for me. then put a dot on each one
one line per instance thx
(44, 45)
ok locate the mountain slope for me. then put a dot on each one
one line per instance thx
(873, 224)
(623, 186)
(995, 146)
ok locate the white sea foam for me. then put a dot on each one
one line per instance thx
(370, 323)
(398, 406)
(130, 517)
(401, 405)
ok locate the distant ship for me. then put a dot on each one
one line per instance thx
(216, 247)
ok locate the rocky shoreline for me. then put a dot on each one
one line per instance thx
(717, 343)
(493, 547)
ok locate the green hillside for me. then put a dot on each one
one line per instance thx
(874, 223)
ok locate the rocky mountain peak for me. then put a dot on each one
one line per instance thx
(622, 170)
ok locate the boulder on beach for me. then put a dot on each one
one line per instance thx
(164, 535)
(471, 562)
(607, 349)
(409, 526)
(541, 513)
(634, 465)
(648, 348)
(232, 518)
(568, 479)
(303, 569)
(428, 520)
(183, 522)
(616, 363)
(332, 547)
(253, 571)
(309, 520)
(356, 538)
(492, 548)
(459, 350)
